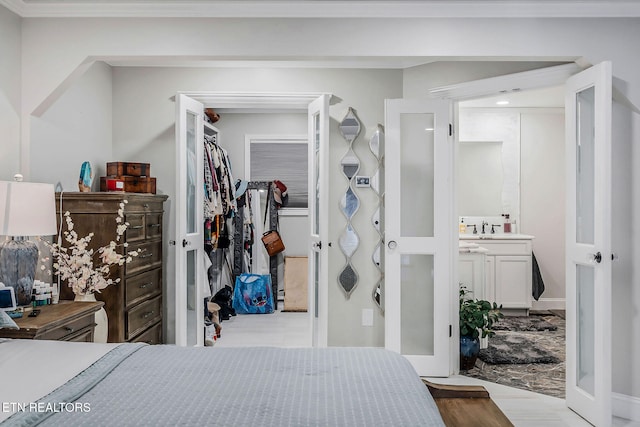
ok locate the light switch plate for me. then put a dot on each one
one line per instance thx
(367, 317)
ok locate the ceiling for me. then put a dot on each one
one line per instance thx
(325, 8)
(552, 97)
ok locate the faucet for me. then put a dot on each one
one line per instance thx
(475, 229)
(483, 224)
(493, 231)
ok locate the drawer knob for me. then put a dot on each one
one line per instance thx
(136, 227)
(146, 206)
(68, 329)
(147, 314)
(145, 285)
(155, 225)
(150, 254)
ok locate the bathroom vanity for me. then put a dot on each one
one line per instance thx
(507, 269)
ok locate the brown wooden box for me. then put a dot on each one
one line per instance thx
(132, 184)
(128, 168)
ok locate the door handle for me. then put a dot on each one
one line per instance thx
(317, 245)
(185, 243)
(392, 244)
(597, 257)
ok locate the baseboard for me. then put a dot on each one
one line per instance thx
(627, 407)
(549, 304)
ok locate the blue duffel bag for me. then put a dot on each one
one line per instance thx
(252, 294)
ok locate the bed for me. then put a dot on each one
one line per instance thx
(138, 384)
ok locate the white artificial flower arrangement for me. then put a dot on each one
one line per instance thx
(75, 263)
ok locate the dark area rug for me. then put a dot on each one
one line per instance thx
(510, 348)
(545, 378)
(523, 323)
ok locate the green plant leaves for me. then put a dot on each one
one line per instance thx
(477, 316)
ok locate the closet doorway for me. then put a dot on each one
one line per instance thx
(191, 277)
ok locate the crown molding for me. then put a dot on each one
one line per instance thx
(515, 82)
(325, 8)
(281, 101)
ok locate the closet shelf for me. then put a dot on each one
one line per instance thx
(210, 129)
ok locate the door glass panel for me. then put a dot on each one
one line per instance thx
(416, 174)
(417, 296)
(316, 173)
(585, 328)
(192, 311)
(191, 172)
(585, 165)
(316, 280)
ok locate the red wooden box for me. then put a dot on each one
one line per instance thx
(130, 184)
(128, 168)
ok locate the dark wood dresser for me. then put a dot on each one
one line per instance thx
(66, 321)
(134, 306)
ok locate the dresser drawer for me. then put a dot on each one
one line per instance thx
(149, 257)
(144, 204)
(84, 335)
(143, 286)
(68, 331)
(153, 225)
(143, 315)
(152, 336)
(135, 231)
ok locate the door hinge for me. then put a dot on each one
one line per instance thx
(450, 330)
(450, 129)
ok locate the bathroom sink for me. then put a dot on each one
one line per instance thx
(495, 236)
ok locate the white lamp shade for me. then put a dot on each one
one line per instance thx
(27, 209)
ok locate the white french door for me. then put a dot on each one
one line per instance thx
(189, 298)
(588, 109)
(419, 232)
(318, 218)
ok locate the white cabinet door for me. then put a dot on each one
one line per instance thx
(490, 278)
(513, 281)
(419, 232)
(471, 273)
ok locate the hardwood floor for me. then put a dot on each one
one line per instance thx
(456, 403)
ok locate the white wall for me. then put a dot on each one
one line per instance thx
(542, 191)
(69, 42)
(10, 86)
(76, 128)
(147, 132)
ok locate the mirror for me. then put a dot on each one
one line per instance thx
(496, 135)
(376, 145)
(349, 203)
(350, 165)
(481, 179)
(350, 126)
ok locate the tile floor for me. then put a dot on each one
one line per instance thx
(523, 408)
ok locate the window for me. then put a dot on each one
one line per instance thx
(284, 158)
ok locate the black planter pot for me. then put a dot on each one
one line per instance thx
(469, 350)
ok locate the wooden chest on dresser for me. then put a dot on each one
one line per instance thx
(134, 306)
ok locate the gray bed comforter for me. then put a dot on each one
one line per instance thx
(141, 385)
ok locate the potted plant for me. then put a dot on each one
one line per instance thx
(476, 320)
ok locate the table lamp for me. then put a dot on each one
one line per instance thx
(26, 209)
